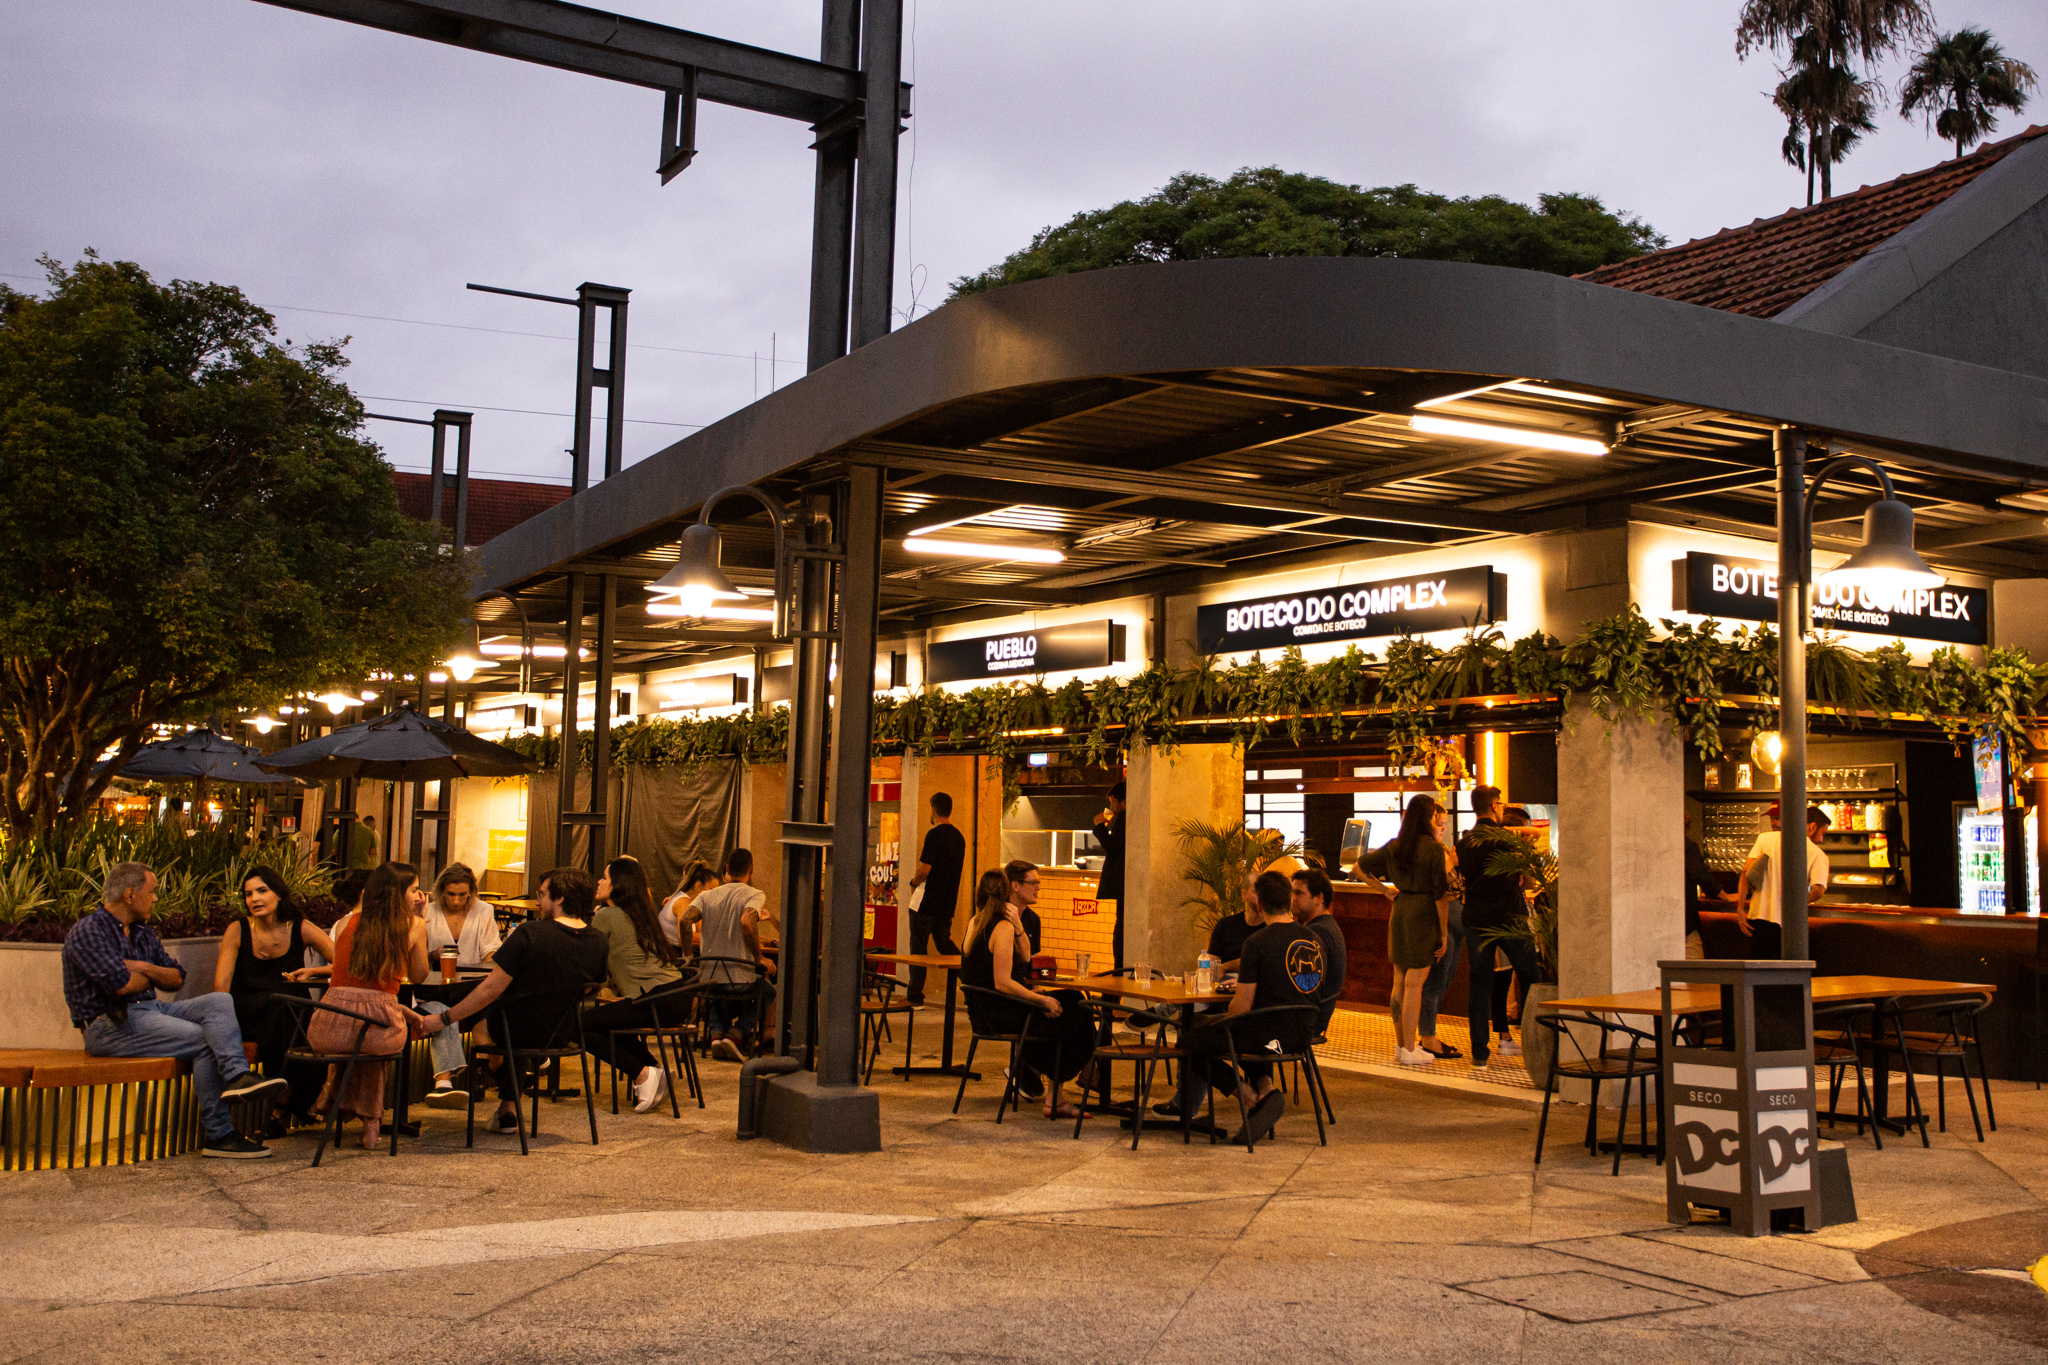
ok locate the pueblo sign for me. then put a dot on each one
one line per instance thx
(1449, 599)
(1747, 590)
(1053, 649)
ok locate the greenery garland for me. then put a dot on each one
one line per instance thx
(1619, 667)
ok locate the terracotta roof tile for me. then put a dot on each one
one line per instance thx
(1768, 266)
(495, 505)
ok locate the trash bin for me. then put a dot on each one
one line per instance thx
(1738, 1095)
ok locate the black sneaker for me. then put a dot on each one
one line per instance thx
(251, 1085)
(234, 1147)
(503, 1123)
(1168, 1110)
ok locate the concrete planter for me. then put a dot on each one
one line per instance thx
(1539, 1044)
(32, 1012)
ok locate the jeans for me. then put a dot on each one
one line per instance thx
(1521, 955)
(1439, 978)
(929, 929)
(627, 1054)
(446, 1046)
(202, 1029)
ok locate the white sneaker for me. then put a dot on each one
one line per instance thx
(1415, 1056)
(1508, 1047)
(648, 1091)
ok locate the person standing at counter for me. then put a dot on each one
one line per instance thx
(1439, 979)
(1700, 885)
(1493, 902)
(1418, 930)
(1759, 884)
(939, 862)
(1109, 832)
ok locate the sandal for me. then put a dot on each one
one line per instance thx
(1065, 1111)
(370, 1134)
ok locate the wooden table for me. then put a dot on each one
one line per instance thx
(949, 963)
(1186, 999)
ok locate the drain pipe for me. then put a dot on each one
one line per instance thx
(753, 1092)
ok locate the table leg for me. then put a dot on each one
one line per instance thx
(952, 1006)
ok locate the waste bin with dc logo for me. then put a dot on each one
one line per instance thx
(1738, 1094)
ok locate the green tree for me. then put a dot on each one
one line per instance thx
(193, 525)
(1270, 212)
(1825, 99)
(1959, 83)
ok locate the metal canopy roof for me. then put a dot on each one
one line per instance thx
(1160, 423)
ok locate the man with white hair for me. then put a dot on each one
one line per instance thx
(114, 964)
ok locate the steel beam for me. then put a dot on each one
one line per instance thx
(572, 683)
(795, 1031)
(874, 211)
(841, 961)
(832, 208)
(600, 847)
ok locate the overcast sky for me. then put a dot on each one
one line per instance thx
(331, 171)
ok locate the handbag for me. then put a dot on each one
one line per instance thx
(1044, 967)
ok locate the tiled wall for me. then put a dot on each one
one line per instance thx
(1067, 933)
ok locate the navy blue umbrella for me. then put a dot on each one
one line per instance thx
(402, 746)
(197, 755)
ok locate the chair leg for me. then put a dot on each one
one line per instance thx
(1141, 1098)
(1009, 1099)
(1544, 1122)
(1620, 1128)
(1314, 1081)
(1088, 1078)
(332, 1133)
(613, 1039)
(1913, 1105)
(661, 1053)
(1963, 1065)
(1322, 1089)
(1941, 1093)
(589, 1100)
(1990, 1114)
(402, 1086)
(966, 1070)
(909, 1041)
(512, 1070)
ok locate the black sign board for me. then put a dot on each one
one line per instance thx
(1747, 590)
(1051, 649)
(1445, 600)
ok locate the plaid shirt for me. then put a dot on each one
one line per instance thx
(95, 970)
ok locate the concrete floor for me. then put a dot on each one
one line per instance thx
(1420, 1233)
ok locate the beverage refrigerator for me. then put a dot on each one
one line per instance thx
(1980, 861)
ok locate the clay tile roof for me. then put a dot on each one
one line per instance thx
(495, 505)
(1768, 266)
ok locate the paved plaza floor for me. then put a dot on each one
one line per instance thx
(1420, 1233)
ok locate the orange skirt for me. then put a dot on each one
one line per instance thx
(336, 1033)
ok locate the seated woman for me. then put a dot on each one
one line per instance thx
(638, 959)
(456, 916)
(695, 880)
(998, 958)
(375, 951)
(264, 955)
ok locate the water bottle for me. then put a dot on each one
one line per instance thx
(1205, 974)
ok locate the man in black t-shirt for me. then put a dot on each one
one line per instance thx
(1283, 963)
(1314, 897)
(1493, 903)
(545, 962)
(939, 863)
(1227, 935)
(1109, 832)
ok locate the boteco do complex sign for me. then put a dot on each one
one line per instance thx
(1447, 600)
(1085, 644)
(1747, 590)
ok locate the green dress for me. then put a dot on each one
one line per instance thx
(1413, 929)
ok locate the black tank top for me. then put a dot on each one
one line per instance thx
(255, 975)
(978, 968)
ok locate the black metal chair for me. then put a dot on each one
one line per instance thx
(672, 1007)
(301, 1051)
(878, 1003)
(1262, 1021)
(1145, 1057)
(714, 976)
(554, 1044)
(1597, 1065)
(1952, 1035)
(1838, 1046)
(975, 1037)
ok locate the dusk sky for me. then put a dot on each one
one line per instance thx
(353, 182)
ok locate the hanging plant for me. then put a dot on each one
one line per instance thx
(1835, 676)
(1690, 659)
(1613, 663)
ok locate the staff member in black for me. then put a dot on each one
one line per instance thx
(938, 871)
(1109, 832)
(1493, 902)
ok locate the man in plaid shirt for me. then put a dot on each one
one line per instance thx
(114, 964)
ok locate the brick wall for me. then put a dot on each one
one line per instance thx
(1067, 933)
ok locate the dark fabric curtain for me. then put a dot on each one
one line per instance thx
(674, 817)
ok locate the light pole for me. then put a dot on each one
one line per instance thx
(1885, 566)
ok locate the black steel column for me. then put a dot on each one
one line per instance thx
(795, 1035)
(832, 213)
(852, 750)
(435, 479)
(601, 727)
(615, 390)
(1789, 445)
(586, 347)
(572, 684)
(461, 422)
(874, 243)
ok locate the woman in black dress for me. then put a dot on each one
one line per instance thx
(265, 954)
(998, 958)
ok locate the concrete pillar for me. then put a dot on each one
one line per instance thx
(1620, 838)
(1195, 781)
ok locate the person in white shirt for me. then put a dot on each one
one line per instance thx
(1760, 881)
(731, 915)
(457, 916)
(695, 880)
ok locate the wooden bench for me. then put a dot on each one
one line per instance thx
(62, 1108)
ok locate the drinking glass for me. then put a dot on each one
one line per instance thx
(1081, 964)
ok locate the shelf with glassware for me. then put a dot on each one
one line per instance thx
(1865, 839)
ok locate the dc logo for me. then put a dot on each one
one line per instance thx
(1305, 965)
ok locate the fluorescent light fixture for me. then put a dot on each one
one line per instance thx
(711, 611)
(506, 650)
(1569, 395)
(369, 696)
(1510, 436)
(968, 549)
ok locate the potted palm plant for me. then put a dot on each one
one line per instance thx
(1216, 860)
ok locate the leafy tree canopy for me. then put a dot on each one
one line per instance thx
(194, 525)
(1271, 212)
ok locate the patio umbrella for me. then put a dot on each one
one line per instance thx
(403, 746)
(198, 755)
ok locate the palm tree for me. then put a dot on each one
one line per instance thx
(1959, 81)
(1827, 104)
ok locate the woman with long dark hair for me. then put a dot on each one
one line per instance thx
(1418, 931)
(700, 875)
(375, 952)
(639, 959)
(263, 955)
(998, 958)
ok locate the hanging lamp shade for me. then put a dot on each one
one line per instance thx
(1887, 564)
(698, 579)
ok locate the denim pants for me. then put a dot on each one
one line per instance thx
(1439, 978)
(446, 1045)
(202, 1029)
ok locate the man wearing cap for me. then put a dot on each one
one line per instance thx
(1760, 880)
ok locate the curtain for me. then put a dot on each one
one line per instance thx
(665, 817)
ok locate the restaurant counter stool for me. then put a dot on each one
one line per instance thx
(1234, 1024)
(1145, 1057)
(672, 1007)
(975, 1037)
(1837, 1046)
(1952, 1034)
(1603, 1062)
(565, 1006)
(301, 1051)
(877, 1003)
